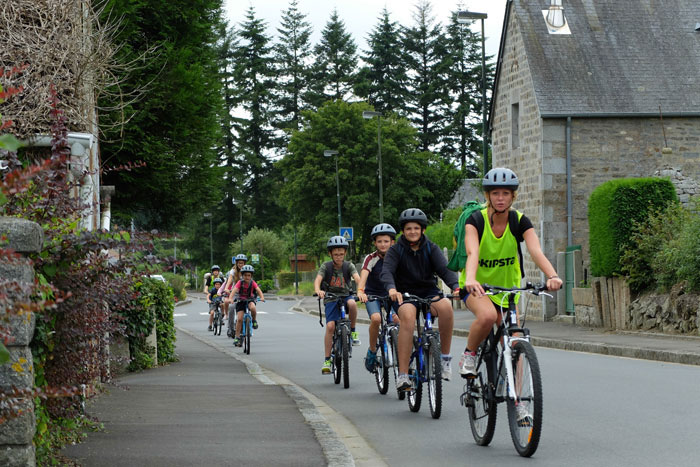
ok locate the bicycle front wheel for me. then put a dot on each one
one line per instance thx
(381, 373)
(393, 339)
(248, 332)
(433, 370)
(337, 357)
(525, 415)
(416, 393)
(481, 405)
(346, 343)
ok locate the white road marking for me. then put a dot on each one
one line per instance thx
(285, 312)
(204, 313)
(262, 312)
(180, 314)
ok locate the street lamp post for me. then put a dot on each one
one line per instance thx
(330, 153)
(240, 220)
(211, 239)
(368, 115)
(465, 17)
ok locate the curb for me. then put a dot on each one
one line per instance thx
(335, 450)
(580, 346)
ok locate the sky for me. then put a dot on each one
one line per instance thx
(361, 16)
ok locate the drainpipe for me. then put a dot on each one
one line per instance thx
(569, 201)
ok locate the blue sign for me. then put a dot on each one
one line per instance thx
(346, 233)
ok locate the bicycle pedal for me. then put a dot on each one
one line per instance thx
(468, 377)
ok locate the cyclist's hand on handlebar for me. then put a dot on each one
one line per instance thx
(474, 288)
(554, 283)
(321, 294)
(362, 296)
(396, 296)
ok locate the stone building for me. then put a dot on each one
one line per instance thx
(578, 96)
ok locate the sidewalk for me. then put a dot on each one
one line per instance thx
(644, 345)
(205, 409)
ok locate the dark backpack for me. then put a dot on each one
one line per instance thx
(329, 274)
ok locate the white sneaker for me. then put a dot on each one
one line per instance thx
(523, 416)
(446, 368)
(467, 365)
(403, 383)
(355, 338)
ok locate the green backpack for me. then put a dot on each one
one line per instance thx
(459, 258)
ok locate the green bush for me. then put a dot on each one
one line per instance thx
(305, 288)
(442, 232)
(178, 283)
(613, 209)
(650, 259)
(266, 284)
(285, 279)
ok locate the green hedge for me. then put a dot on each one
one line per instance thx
(613, 209)
(178, 283)
(285, 279)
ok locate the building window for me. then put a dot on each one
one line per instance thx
(515, 129)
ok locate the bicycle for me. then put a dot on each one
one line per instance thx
(218, 320)
(246, 324)
(425, 365)
(386, 348)
(507, 370)
(341, 349)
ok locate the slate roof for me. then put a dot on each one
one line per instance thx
(622, 57)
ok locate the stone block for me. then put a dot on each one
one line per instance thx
(582, 296)
(20, 270)
(20, 327)
(17, 456)
(19, 371)
(23, 236)
(119, 357)
(19, 430)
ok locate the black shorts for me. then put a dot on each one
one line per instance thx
(241, 305)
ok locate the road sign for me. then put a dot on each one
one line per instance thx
(346, 233)
(255, 258)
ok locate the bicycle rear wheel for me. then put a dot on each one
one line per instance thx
(481, 405)
(248, 332)
(346, 343)
(525, 430)
(433, 370)
(216, 321)
(381, 373)
(393, 339)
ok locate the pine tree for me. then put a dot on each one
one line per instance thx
(427, 96)
(383, 80)
(461, 138)
(336, 62)
(253, 77)
(292, 57)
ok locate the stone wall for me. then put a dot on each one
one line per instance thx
(686, 187)
(16, 448)
(675, 312)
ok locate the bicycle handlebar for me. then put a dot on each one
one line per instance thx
(427, 301)
(534, 289)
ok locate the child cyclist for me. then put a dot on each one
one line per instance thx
(234, 275)
(212, 294)
(208, 283)
(335, 276)
(410, 266)
(245, 288)
(383, 236)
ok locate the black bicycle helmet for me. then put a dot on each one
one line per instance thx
(337, 242)
(383, 229)
(248, 268)
(500, 177)
(413, 215)
(216, 266)
(218, 279)
(239, 256)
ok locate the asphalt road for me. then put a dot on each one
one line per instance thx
(598, 410)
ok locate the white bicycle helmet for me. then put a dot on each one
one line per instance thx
(337, 242)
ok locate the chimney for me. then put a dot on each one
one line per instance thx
(555, 14)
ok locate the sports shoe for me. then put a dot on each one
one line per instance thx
(326, 368)
(371, 361)
(446, 368)
(355, 338)
(236, 340)
(255, 324)
(209, 328)
(403, 383)
(523, 416)
(467, 365)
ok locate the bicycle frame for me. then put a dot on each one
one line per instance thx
(247, 319)
(423, 307)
